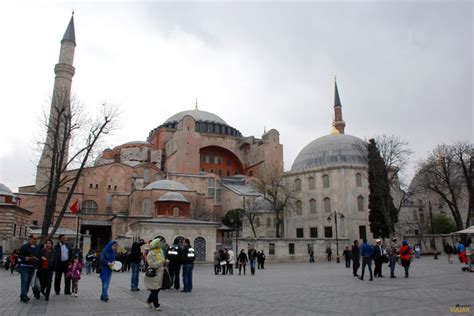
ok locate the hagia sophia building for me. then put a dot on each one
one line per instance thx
(183, 177)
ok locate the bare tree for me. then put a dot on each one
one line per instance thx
(65, 124)
(249, 213)
(448, 172)
(200, 210)
(276, 189)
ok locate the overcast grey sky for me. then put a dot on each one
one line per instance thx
(403, 68)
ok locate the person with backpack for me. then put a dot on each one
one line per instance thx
(187, 260)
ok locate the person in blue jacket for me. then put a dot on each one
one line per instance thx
(107, 260)
(366, 254)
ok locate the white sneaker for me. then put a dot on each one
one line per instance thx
(158, 308)
(75, 294)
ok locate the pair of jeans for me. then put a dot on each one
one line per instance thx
(88, 267)
(174, 270)
(240, 268)
(135, 274)
(348, 263)
(392, 261)
(26, 274)
(230, 268)
(366, 261)
(105, 277)
(188, 277)
(153, 298)
(217, 268)
(252, 266)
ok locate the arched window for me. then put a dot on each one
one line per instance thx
(327, 205)
(360, 203)
(146, 173)
(269, 222)
(298, 184)
(312, 206)
(176, 211)
(358, 179)
(146, 206)
(325, 181)
(257, 222)
(89, 207)
(299, 207)
(311, 184)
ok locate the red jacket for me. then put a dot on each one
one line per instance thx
(405, 253)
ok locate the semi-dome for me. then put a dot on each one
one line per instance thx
(198, 115)
(166, 185)
(262, 204)
(5, 191)
(173, 196)
(330, 150)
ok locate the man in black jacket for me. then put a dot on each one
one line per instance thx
(174, 256)
(187, 260)
(378, 258)
(135, 259)
(355, 252)
(63, 257)
(29, 261)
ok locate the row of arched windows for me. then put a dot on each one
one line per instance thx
(326, 205)
(325, 181)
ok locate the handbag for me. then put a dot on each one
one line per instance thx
(166, 283)
(150, 272)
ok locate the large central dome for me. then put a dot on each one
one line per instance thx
(198, 115)
(330, 150)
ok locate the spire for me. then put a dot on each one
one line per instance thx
(338, 123)
(337, 100)
(70, 34)
(196, 108)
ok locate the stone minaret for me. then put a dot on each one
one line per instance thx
(338, 123)
(60, 113)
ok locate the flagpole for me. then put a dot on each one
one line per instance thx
(77, 231)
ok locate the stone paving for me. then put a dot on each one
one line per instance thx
(281, 289)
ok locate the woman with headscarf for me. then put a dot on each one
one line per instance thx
(156, 260)
(106, 262)
(405, 256)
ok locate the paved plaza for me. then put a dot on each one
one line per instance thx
(281, 289)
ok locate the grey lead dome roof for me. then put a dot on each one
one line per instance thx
(166, 185)
(4, 190)
(329, 150)
(198, 115)
(173, 196)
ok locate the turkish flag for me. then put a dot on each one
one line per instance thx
(75, 207)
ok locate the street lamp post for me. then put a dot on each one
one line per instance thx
(432, 232)
(341, 216)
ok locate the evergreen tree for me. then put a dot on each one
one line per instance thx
(382, 211)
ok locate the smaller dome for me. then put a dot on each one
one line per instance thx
(137, 142)
(4, 190)
(197, 115)
(261, 204)
(173, 196)
(166, 185)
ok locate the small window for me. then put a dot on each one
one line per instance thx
(327, 205)
(311, 184)
(176, 211)
(14, 230)
(228, 173)
(97, 186)
(35, 223)
(360, 203)
(328, 232)
(21, 228)
(359, 180)
(325, 181)
(312, 206)
(291, 248)
(90, 185)
(417, 232)
(313, 232)
(68, 188)
(298, 185)
(362, 232)
(211, 170)
(299, 208)
(115, 188)
(299, 233)
(271, 248)
(109, 187)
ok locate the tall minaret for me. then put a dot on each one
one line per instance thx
(338, 123)
(60, 113)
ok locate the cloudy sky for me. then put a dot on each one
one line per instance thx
(403, 68)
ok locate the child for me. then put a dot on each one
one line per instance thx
(74, 273)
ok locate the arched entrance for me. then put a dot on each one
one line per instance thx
(200, 248)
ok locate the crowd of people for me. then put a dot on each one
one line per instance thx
(224, 261)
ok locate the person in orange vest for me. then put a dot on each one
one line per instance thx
(405, 256)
